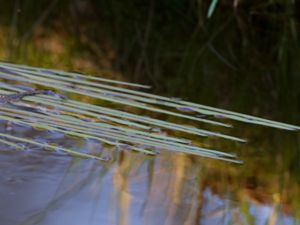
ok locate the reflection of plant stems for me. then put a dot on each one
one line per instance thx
(190, 45)
(144, 42)
(40, 20)
(220, 57)
(13, 30)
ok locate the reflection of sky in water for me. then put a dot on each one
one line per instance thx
(57, 190)
(217, 211)
(50, 188)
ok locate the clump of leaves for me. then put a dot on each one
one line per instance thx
(115, 127)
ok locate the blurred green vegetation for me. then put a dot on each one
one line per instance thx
(243, 57)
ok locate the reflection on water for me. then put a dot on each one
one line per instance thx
(218, 210)
(41, 187)
(244, 58)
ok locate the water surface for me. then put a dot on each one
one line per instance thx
(49, 188)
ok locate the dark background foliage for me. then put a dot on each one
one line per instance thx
(245, 57)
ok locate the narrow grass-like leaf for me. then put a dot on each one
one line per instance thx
(75, 75)
(11, 144)
(170, 102)
(114, 127)
(87, 109)
(212, 8)
(51, 147)
(103, 96)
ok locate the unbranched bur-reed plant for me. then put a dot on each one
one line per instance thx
(121, 128)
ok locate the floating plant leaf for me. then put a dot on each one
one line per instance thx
(114, 127)
(47, 146)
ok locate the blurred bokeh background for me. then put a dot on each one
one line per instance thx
(243, 56)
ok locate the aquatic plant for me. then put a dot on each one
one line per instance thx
(122, 128)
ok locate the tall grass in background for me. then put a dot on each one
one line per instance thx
(214, 52)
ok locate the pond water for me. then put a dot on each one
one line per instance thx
(51, 188)
(244, 58)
